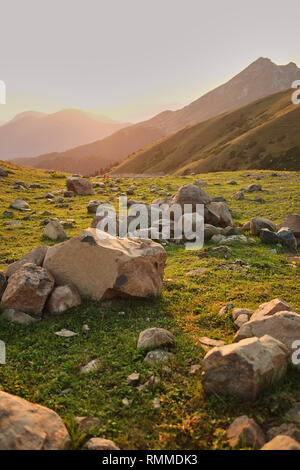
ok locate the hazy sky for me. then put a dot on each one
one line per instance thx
(130, 59)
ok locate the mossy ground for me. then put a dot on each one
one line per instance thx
(45, 368)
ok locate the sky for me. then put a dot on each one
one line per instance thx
(130, 59)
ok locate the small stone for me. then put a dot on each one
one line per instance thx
(241, 320)
(157, 355)
(55, 231)
(156, 403)
(240, 311)
(195, 368)
(267, 236)
(133, 379)
(126, 402)
(63, 298)
(91, 366)
(85, 423)
(155, 337)
(20, 205)
(245, 432)
(252, 188)
(287, 238)
(97, 443)
(211, 343)
(65, 333)
(15, 316)
(85, 329)
(28, 289)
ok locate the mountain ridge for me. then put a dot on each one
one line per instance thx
(261, 78)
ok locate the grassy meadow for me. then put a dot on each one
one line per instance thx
(45, 368)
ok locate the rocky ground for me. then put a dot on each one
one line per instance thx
(92, 361)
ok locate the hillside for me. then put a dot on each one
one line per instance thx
(261, 135)
(32, 133)
(259, 79)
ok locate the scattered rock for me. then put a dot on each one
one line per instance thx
(218, 213)
(80, 186)
(156, 403)
(252, 188)
(281, 443)
(132, 267)
(245, 432)
(195, 368)
(287, 238)
(55, 231)
(236, 312)
(28, 289)
(92, 206)
(62, 298)
(292, 222)
(133, 379)
(283, 326)
(209, 231)
(97, 443)
(91, 366)
(65, 333)
(126, 402)
(225, 309)
(258, 223)
(209, 342)
(241, 320)
(269, 308)
(20, 205)
(26, 426)
(35, 256)
(85, 329)
(85, 423)
(13, 223)
(155, 338)
(239, 196)
(243, 369)
(15, 316)
(267, 236)
(157, 355)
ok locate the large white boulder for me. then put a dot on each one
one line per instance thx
(102, 268)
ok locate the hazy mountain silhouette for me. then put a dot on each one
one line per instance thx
(32, 133)
(259, 79)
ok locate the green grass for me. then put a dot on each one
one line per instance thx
(41, 365)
